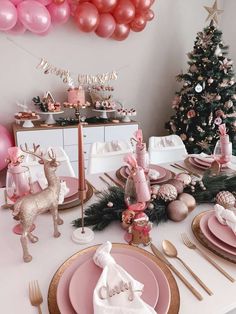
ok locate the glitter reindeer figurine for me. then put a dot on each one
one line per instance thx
(30, 206)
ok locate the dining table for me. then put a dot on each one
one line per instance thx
(49, 253)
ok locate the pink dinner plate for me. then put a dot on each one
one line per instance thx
(85, 278)
(210, 237)
(196, 164)
(162, 171)
(63, 300)
(72, 184)
(222, 232)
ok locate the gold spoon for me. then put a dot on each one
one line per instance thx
(170, 250)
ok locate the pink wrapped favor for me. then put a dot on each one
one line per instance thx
(225, 144)
(141, 151)
(141, 185)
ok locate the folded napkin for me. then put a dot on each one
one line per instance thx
(226, 217)
(153, 174)
(116, 291)
(204, 157)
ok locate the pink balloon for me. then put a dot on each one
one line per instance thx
(106, 26)
(60, 13)
(8, 15)
(138, 24)
(6, 141)
(121, 32)
(124, 12)
(87, 17)
(142, 4)
(105, 6)
(34, 16)
(45, 2)
(16, 1)
(18, 29)
(148, 15)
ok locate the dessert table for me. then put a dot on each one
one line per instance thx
(49, 253)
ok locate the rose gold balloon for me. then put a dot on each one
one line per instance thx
(121, 32)
(105, 6)
(87, 17)
(142, 4)
(58, 1)
(124, 12)
(138, 24)
(148, 15)
(106, 26)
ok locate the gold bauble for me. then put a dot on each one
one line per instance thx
(167, 192)
(188, 200)
(184, 178)
(177, 210)
(225, 199)
(177, 184)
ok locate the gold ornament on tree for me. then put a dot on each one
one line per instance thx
(225, 199)
(29, 207)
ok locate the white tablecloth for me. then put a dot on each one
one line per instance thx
(49, 253)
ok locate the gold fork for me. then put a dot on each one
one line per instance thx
(193, 246)
(35, 295)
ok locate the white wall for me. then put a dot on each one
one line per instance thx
(148, 61)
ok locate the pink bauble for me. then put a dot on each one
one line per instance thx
(45, 2)
(60, 13)
(177, 210)
(124, 12)
(105, 6)
(87, 17)
(6, 141)
(8, 15)
(34, 16)
(148, 15)
(138, 23)
(106, 25)
(142, 4)
(18, 29)
(121, 32)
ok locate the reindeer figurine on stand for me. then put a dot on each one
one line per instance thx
(30, 206)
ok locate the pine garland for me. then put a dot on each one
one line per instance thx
(100, 215)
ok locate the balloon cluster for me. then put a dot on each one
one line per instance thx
(113, 18)
(108, 18)
(17, 16)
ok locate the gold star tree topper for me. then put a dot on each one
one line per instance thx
(213, 12)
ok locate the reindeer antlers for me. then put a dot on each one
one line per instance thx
(51, 154)
(35, 147)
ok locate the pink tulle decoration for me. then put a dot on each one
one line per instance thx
(15, 155)
(131, 161)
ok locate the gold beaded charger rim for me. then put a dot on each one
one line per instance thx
(205, 242)
(75, 201)
(174, 290)
(124, 178)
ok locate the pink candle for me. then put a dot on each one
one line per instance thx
(82, 186)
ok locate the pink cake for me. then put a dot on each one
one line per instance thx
(76, 95)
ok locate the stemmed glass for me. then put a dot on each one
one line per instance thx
(217, 153)
(17, 186)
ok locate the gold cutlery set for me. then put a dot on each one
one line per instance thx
(112, 180)
(170, 251)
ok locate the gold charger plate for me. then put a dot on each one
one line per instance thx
(206, 243)
(174, 290)
(74, 199)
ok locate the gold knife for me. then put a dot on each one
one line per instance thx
(114, 181)
(188, 170)
(181, 277)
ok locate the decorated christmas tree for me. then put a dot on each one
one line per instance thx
(208, 94)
